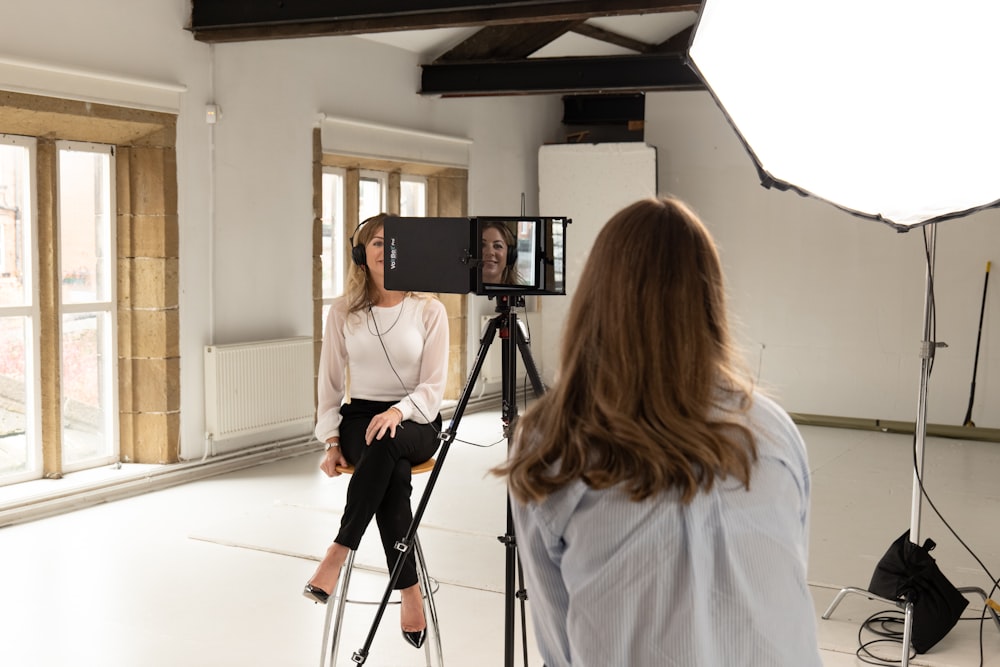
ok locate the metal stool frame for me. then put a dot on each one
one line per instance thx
(340, 600)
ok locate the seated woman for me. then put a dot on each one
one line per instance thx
(393, 346)
(661, 503)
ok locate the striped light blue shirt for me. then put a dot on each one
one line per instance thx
(720, 582)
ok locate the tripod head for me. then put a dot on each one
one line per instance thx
(507, 301)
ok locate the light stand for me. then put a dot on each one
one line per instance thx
(927, 349)
(804, 121)
(515, 340)
(928, 346)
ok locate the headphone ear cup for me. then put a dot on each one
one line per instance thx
(358, 255)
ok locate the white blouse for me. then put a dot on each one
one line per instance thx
(396, 354)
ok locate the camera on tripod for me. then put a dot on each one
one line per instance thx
(502, 257)
(447, 255)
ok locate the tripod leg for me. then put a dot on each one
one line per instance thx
(447, 437)
(517, 341)
(522, 595)
(529, 362)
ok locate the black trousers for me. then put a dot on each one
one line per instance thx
(380, 485)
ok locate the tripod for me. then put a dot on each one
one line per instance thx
(515, 339)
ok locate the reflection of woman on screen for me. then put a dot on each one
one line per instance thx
(499, 254)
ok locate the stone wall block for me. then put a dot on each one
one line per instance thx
(126, 385)
(154, 282)
(154, 236)
(156, 437)
(155, 333)
(156, 383)
(153, 181)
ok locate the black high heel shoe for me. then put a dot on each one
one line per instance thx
(415, 639)
(317, 594)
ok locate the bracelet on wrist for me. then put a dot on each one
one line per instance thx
(331, 445)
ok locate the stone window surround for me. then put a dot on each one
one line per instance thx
(147, 266)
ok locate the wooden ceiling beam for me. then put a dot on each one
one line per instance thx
(228, 21)
(507, 42)
(610, 37)
(601, 74)
(679, 42)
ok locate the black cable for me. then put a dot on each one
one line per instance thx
(407, 391)
(931, 305)
(881, 625)
(916, 466)
(863, 653)
(524, 382)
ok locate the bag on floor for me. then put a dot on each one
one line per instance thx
(907, 572)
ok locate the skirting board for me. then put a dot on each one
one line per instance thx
(888, 426)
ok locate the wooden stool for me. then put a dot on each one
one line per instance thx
(426, 585)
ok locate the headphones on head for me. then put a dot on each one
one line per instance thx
(358, 253)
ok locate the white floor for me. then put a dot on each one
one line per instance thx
(209, 573)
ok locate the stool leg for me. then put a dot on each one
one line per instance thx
(341, 600)
(430, 611)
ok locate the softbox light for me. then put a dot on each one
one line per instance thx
(887, 109)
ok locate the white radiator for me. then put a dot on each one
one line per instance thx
(260, 388)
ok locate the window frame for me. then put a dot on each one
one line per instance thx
(32, 313)
(105, 309)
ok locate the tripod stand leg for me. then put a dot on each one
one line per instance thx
(515, 340)
(523, 596)
(966, 590)
(529, 362)
(447, 436)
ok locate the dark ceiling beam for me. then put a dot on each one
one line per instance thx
(507, 42)
(646, 72)
(231, 21)
(592, 31)
(679, 42)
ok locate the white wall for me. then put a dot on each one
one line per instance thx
(587, 183)
(271, 94)
(830, 306)
(245, 184)
(143, 40)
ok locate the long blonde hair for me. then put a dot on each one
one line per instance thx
(647, 363)
(361, 291)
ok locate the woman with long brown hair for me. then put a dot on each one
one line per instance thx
(661, 502)
(382, 372)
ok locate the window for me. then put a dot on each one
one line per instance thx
(20, 441)
(354, 189)
(333, 231)
(412, 196)
(372, 197)
(65, 331)
(371, 194)
(87, 304)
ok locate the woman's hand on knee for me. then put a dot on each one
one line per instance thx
(389, 421)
